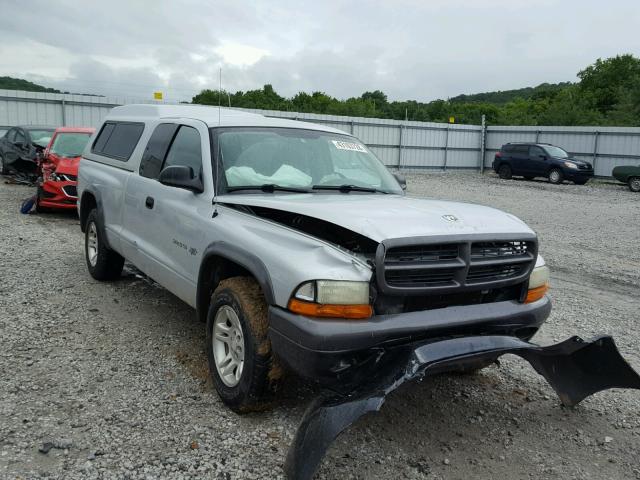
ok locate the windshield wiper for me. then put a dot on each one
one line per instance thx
(348, 188)
(268, 188)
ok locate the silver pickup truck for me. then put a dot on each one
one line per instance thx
(300, 251)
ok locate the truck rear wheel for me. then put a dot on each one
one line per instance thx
(634, 184)
(238, 349)
(102, 262)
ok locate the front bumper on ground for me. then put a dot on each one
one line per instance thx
(326, 350)
(573, 174)
(59, 195)
(574, 368)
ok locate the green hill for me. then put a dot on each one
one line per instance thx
(10, 83)
(501, 97)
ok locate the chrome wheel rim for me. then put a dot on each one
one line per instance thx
(635, 185)
(92, 244)
(228, 346)
(554, 177)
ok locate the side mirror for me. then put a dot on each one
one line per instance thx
(181, 176)
(401, 180)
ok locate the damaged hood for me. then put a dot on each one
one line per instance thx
(382, 217)
(67, 165)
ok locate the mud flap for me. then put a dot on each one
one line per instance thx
(574, 368)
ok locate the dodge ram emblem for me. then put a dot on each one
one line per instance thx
(450, 218)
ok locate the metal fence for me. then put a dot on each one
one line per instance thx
(399, 144)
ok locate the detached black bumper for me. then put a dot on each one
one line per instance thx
(574, 368)
(326, 350)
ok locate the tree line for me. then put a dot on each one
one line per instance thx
(607, 93)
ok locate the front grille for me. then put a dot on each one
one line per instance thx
(70, 190)
(422, 253)
(497, 249)
(420, 278)
(493, 272)
(447, 267)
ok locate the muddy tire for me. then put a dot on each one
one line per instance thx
(504, 172)
(241, 362)
(556, 176)
(102, 262)
(634, 184)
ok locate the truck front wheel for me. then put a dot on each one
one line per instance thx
(238, 349)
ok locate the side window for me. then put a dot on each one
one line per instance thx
(20, 137)
(118, 139)
(521, 150)
(156, 150)
(507, 148)
(11, 135)
(536, 152)
(185, 150)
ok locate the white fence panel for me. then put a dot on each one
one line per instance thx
(408, 144)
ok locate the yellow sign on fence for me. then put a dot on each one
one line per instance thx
(157, 95)
(452, 119)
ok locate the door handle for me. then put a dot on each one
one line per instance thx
(149, 202)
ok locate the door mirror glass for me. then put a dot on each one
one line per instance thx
(401, 180)
(181, 176)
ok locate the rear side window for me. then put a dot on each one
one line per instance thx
(521, 149)
(156, 150)
(118, 139)
(507, 148)
(185, 150)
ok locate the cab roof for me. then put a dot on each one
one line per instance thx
(212, 116)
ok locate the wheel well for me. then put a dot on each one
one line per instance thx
(215, 269)
(87, 204)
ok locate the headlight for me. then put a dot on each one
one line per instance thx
(538, 282)
(570, 165)
(332, 298)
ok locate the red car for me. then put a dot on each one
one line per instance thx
(59, 167)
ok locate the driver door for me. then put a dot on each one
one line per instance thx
(537, 163)
(166, 221)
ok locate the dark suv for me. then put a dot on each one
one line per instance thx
(532, 160)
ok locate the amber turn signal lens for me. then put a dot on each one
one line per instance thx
(536, 293)
(330, 311)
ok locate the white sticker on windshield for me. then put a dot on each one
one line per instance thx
(354, 147)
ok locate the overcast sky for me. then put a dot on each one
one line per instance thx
(410, 49)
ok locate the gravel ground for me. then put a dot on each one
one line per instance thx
(111, 378)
